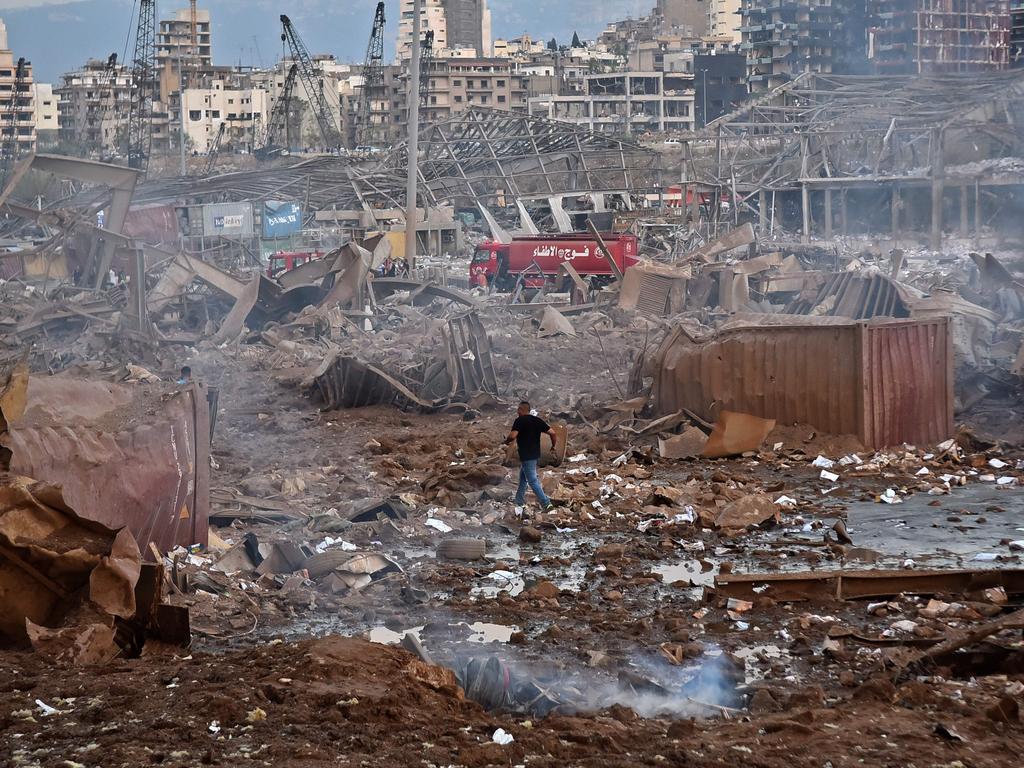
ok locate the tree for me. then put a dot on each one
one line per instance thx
(576, 41)
(552, 45)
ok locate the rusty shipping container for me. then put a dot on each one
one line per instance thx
(135, 455)
(886, 381)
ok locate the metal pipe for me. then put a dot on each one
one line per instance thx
(413, 138)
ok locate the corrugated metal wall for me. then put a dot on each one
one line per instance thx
(886, 382)
(125, 455)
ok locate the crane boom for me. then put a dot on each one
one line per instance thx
(313, 82)
(140, 116)
(10, 145)
(426, 54)
(373, 77)
(211, 157)
(277, 125)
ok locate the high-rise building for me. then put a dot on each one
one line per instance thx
(458, 25)
(685, 17)
(724, 20)
(907, 37)
(174, 39)
(785, 38)
(17, 110)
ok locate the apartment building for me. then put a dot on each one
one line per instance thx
(457, 25)
(724, 21)
(46, 116)
(92, 106)
(625, 103)
(456, 84)
(17, 107)
(242, 111)
(174, 39)
(907, 37)
(784, 38)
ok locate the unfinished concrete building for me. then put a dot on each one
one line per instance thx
(1017, 33)
(918, 156)
(932, 36)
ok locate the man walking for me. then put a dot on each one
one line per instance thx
(526, 431)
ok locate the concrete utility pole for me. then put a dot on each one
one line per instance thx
(414, 137)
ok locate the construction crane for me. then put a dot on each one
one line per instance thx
(193, 38)
(279, 123)
(108, 101)
(10, 145)
(313, 82)
(211, 156)
(426, 55)
(373, 77)
(140, 116)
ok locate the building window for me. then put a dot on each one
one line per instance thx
(501, 83)
(433, 99)
(458, 99)
(501, 99)
(216, 113)
(456, 82)
(195, 114)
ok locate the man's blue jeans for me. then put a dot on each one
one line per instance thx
(528, 475)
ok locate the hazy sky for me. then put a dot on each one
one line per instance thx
(59, 35)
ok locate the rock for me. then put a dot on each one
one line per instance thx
(544, 589)
(847, 679)
(613, 595)
(746, 511)
(608, 552)
(530, 535)
(876, 689)
(762, 702)
(1006, 710)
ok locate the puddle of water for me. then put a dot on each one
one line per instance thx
(689, 572)
(483, 632)
(914, 529)
(499, 582)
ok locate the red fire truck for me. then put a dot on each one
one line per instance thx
(540, 256)
(286, 261)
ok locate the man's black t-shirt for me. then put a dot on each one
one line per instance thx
(529, 429)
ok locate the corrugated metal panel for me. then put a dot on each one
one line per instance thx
(886, 382)
(125, 455)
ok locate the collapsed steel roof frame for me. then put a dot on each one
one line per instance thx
(481, 155)
(834, 128)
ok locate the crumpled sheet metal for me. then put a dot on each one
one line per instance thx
(51, 558)
(887, 382)
(135, 456)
